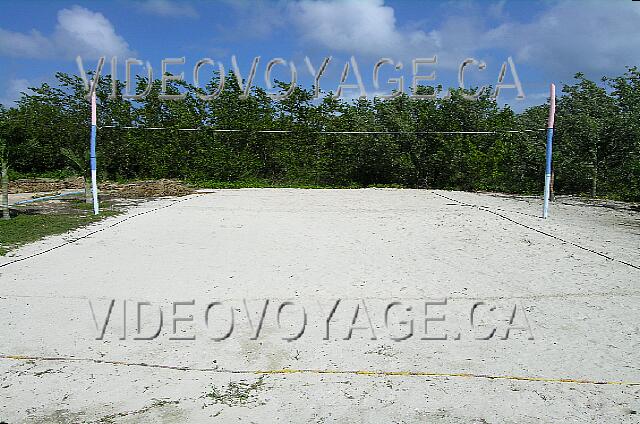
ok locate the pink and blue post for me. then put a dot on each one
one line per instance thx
(92, 154)
(547, 172)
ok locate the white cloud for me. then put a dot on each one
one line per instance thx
(563, 37)
(89, 34)
(79, 31)
(13, 90)
(574, 36)
(31, 44)
(369, 28)
(365, 27)
(168, 8)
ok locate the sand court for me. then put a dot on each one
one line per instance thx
(571, 353)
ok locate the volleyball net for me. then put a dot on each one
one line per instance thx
(219, 130)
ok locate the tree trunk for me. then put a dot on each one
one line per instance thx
(5, 189)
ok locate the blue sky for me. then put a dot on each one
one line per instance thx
(548, 40)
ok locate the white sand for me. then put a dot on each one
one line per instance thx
(313, 247)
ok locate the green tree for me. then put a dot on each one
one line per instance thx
(331, 142)
(4, 164)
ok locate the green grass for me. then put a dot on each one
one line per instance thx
(54, 175)
(257, 183)
(25, 229)
(236, 393)
(82, 205)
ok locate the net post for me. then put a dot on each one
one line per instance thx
(92, 154)
(547, 172)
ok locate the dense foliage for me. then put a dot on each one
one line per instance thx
(597, 142)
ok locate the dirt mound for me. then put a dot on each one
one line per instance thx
(138, 189)
(142, 189)
(42, 185)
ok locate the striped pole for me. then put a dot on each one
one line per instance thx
(547, 172)
(94, 178)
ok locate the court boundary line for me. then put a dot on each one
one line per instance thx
(286, 371)
(486, 209)
(99, 230)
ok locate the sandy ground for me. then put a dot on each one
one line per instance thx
(566, 288)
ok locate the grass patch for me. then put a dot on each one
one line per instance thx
(257, 183)
(81, 205)
(26, 228)
(254, 183)
(236, 393)
(54, 175)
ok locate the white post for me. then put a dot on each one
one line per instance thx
(94, 177)
(547, 172)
